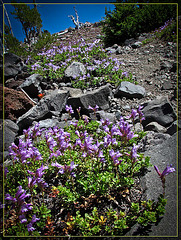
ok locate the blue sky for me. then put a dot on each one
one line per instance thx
(55, 16)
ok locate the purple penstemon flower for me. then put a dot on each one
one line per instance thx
(114, 156)
(30, 225)
(125, 130)
(133, 154)
(168, 169)
(141, 115)
(133, 114)
(22, 218)
(105, 122)
(69, 109)
(19, 201)
(38, 176)
(94, 109)
(31, 182)
(125, 74)
(65, 169)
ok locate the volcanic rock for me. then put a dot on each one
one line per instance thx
(75, 69)
(16, 103)
(154, 126)
(32, 85)
(96, 97)
(12, 65)
(53, 102)
(129, 90)
(159, 110)
(10, 131)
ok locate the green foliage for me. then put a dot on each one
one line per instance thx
(128, 20)
(81, 195)
(53, 60)
(13, 44)
(28, 17)
(167, 32)
(44, 41)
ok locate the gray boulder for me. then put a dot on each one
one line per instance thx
(161, 155)
(154, 126)
(12, 65)
(53, 102)
(129, 90)
(176, 125)
(129, 42)
(159, 110)
(136, 44)
(74, 92)
(75, 69)
(105, 115)
(10, 132)
(166, 65)
(152, 139)
(97, 97)
(32, 85)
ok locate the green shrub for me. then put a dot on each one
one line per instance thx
(13, 44)
(128, 20)
(45, 40)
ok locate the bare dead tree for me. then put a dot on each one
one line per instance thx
(76, 22)
(7, 18)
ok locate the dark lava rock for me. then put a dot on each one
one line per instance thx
(129, 90)
(159, 110)
(53, 102)
(97, 97)
(12, 65)
(75, 69)
(176, 126)
(32, 85)
(10, 131)
(16, 103)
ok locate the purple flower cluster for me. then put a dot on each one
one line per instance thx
(87, 147)
(135, 113)
(125, 130)
(69, 109)
(33, 133)
(37, 178)
(66, 169)
(58, 141)
(19, 201)
(23, 151)
(35, 66)
(30, 225)
(114, 156)
(125, 74)
(167, 23)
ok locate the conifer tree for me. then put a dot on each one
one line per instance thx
(29, 18)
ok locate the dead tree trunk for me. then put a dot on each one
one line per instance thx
(7, 18)
(76, 22)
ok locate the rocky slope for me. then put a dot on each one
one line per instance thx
(153, 66)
